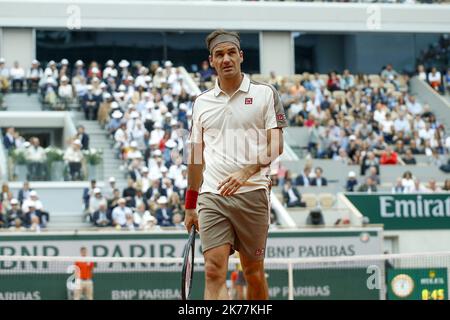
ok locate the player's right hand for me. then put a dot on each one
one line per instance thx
(190, 219)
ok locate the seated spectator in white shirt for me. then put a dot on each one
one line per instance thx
(36, 157)
(141, 216)
(413, 105)
(402, 124)
(4, 76)
(421, 72)
(17, 75)
(319, 180)
(291, 196)
(65, 91)
(119, 213)
(96, 201)
(433, 187)
(435, 79)
(74, 157)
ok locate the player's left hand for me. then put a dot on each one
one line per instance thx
(233, 182)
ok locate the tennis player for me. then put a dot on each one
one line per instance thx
(236, 133)
(86, 285)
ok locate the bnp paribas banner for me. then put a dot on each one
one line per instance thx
(49, 280)
(405, 211)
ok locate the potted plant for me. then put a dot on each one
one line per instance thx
(93, 158)
(55, 163)
(20, 162)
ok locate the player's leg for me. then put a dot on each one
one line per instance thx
(255, 276)
(216, 267)
(217, 238)
(89, 290)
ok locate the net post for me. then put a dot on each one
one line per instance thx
(291, 280)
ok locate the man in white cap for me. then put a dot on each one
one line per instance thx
(17, 74)
(119, 213)
(34, 75)
(109, 190)
(234, 194)
(110, 71)
(14, 213)
(65, 91)
(90, 104)
(96, 201)
(163, 213)
(73, 156)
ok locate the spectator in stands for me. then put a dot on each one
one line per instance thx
(315, 218)
(433, 187)
(398, 187)
(351, 182)
(408, 182)
(373, 174)
(24, 192)
(119, 213)
(108, 191)
(73, 156)
(409, 158)
(291, 196)
(83, 137)
(141, 216)
(87, 193)
(90, 104)
(9, 141)
(389, 74)
(369, 186)
(95, 202)
(303, 178)
(206, 72)
(414, 106)
(36, 157)
(17, 75)
(129, 192)
(446, 185)
(389, 157)
(14, 214)
(418, 187)
(163, 213)
(65, 91)
(101, 217)
(34, 76)
(4, 76)
(33, 216)
(319, 180)
(369, 160)
(178, 221)
(421, 72)
(435, 79)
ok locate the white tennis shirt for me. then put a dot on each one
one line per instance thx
(234, 131)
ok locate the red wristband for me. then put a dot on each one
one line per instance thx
(191, 199)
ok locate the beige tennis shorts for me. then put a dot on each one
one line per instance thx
(241, 220)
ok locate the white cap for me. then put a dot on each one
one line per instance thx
(31, 204)
(89, 87)
(114, 105)
(64, 61)
(164, 170)
(97, 190)
(171, 144)
(124, 64)
(112, 179)
(168, 63)
(34, 61)
(352, 174)
(64, 78)
(168, 115)
(110, 63)
(117, 114)
(162, 200)
(122, 87)
(79, 63)
(2, 60)
(144, 169)
(157, 153)
(147, 78)
(183, 106)
(173, 122)
(352, 137)
(107, 95)
(33, 193)
(77, 141)
(95, 70)
(14, 201)
(134, 144)
(158, 125)
(52, 62)
(103, 85)
(130, 78)
(134, 114)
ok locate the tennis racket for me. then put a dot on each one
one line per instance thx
(187, 273)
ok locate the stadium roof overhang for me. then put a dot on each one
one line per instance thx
(207, 15)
